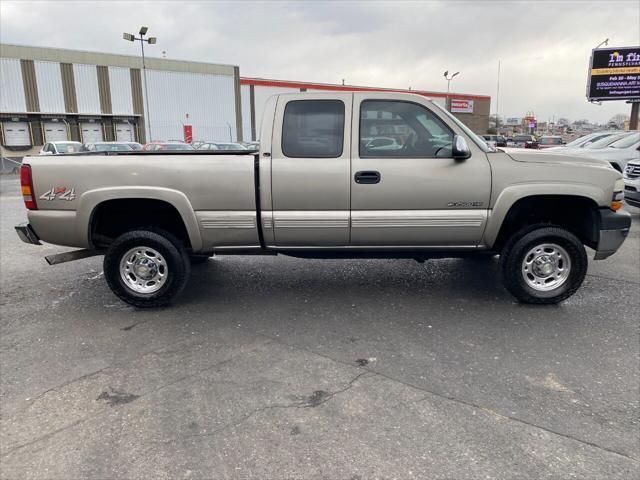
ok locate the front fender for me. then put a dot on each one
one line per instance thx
(89, 200)
(510, 195)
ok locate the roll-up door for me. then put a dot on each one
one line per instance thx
(55, 132)
(124, 132)
(91, 132)
(16, 134)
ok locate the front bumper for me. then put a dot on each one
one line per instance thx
(26, 234)
(614, 228)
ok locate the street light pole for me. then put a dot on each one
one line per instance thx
(150, 41)
(446, 76)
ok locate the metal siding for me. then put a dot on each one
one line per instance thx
(121, 97)
(245, 95)
(11, 86)
(87, 93)
(208, 99)
(49, 82)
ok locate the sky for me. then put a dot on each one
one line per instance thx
(543, 46)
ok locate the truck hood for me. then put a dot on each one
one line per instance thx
(544, 156)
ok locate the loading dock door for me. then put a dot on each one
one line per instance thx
(55, 132)
(91, 132)
(16, 134)
(124, 132)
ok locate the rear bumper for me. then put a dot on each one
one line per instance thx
(614, 228)
(26, 234)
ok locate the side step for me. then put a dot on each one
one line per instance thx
(71, 256)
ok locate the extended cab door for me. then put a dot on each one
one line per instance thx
(310, 170)
(406, 190)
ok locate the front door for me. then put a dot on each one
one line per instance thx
(406, 190)
(310, 170)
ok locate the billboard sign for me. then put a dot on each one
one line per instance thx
(512, 121)
(461, 106)
(614, 74)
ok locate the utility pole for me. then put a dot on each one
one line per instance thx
(446, 76)
(498, 100)
(151, 41)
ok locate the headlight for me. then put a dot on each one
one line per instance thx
(618, 195)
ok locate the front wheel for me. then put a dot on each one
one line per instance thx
(544, 265)
(146, 268)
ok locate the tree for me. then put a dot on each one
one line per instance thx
(617, 121)
(492, 131)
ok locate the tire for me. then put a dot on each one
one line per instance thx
(152, 251)
(531, 253)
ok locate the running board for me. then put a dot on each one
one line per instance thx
(71, 256)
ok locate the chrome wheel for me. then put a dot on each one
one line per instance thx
(143, 270)
(545, 267)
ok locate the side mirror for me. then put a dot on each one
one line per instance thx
(460, 150)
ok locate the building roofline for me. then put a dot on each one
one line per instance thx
(265, 82)
(64, 55)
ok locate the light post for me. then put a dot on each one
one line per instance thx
(449, 78)
(150, 41)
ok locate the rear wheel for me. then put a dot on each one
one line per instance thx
(146, 268)
(543, 264)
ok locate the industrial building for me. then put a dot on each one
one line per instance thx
(50, 94)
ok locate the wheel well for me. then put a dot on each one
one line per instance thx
(112, 218)
(577, 214)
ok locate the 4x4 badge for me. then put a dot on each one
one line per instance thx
(60, 193)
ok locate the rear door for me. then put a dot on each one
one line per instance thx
(16, 134)
(310, 170)
(411, 193)
(124, 132)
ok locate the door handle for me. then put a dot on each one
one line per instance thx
(367, 177)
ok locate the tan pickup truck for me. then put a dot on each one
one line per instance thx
(340, 175)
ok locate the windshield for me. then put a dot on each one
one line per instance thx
(626, 141)
(477, 140)
(550, 141)
(113, 147)
(177, 146)
(606, 141)
(68, 147)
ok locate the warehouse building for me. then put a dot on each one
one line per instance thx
(51, 94)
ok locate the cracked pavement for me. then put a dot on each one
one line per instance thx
(286, 368)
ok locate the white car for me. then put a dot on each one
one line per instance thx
(632, 183)
(619, 153)
(581, 142)
(602, 144)
(55, 148)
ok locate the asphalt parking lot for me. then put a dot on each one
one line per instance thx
(273, 367)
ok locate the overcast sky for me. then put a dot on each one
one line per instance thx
(543, 46)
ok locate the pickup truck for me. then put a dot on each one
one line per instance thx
(319, 187)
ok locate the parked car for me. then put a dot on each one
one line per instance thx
(550, 141)
(632, 183)
(382, 143)
(252, 145)
(525, 141)
(498, 140)
(153, 146)
(582, 142)
(620, 152)
(229, 146)
(56, 148)
(134, 145)
(196, 144)
(434, 197)
(589, 149)
(107, 147)
(510, 142)
(207, 146)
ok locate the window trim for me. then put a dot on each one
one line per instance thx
(444, 124)
(344, 123)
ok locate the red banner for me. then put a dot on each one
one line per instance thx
(188, 133)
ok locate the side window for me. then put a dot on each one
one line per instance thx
(402, 129)
(313, 129)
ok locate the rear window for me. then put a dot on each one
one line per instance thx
(627, 141)
(313, 129)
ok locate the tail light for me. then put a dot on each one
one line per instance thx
(26, 184)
